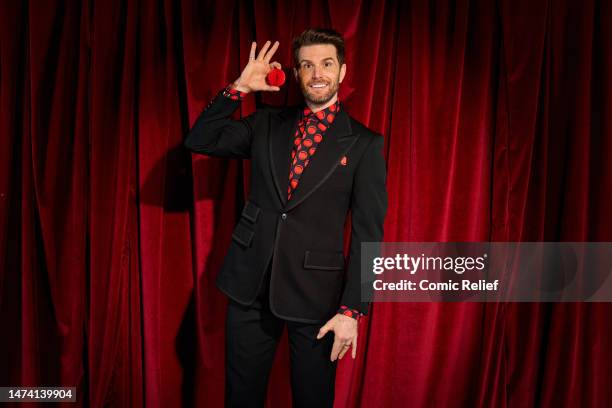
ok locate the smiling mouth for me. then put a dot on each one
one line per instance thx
(318, 86)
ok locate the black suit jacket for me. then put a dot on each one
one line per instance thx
(303, 237)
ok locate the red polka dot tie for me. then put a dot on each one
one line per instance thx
(308, 135)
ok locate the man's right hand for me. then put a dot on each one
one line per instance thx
(253, 76)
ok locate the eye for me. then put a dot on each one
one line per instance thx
(328, 64)
(306, 65)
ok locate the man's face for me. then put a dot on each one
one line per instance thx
(319, 73)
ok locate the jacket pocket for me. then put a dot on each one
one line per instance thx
(243, 234)
(325, 260)
(250, 212)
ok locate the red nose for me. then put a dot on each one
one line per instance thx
(276, 77)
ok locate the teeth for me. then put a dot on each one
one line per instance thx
(318, 85)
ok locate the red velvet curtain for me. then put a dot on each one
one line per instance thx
(497, 117)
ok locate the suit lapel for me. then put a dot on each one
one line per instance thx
(337, 140)
(280, 144)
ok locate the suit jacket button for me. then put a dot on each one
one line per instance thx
(284, 216)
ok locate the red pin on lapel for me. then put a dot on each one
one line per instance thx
(343, 161)
(276, 77)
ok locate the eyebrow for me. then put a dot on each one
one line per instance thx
(325, 59)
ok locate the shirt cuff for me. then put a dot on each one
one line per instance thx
(346, 311)
(233, 94)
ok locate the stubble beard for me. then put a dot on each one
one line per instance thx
(322, 99)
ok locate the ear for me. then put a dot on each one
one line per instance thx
(342, 72)
(295, 74)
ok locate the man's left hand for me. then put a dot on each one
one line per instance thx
(345, 335)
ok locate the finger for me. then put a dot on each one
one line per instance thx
(354, 352)
(275, 89)
(343, 352)
(276, 64)
(270, 53)
(336, 348)
(323, 330)
(263, 51)
(253, 48)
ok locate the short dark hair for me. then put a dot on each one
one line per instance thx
(314, 36)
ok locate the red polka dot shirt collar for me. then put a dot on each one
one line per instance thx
(328, 114)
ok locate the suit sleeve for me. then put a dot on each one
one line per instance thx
(368, 210)
(216, 134)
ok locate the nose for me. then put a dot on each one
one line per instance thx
(316, 72)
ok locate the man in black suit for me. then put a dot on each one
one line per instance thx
(310, 165)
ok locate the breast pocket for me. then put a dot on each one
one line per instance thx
(340, 180)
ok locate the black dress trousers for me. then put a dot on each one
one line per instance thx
(252, 335)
